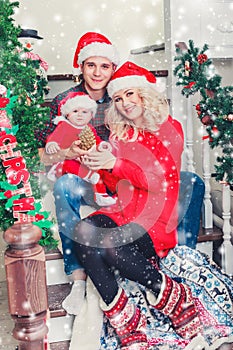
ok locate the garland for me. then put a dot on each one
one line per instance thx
(16, 190)
(195, 73)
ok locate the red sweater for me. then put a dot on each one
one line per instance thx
(146, 180)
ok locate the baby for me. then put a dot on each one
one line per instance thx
(75, 113)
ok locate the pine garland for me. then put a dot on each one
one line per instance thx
(20, 76)
(215, 108)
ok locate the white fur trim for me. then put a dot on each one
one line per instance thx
(99, 49)
(59, 119)
(106, 307)
(78, 101)
(151, 297)
(127, 82)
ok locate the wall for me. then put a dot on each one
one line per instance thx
(129, 24)
(203, 21)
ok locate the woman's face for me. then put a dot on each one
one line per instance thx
(129, 105)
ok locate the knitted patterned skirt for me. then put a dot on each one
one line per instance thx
(212, 290)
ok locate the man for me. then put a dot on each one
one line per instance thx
(97, 59)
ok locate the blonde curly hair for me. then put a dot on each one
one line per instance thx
(156, 110)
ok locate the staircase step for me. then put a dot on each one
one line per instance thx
(61, 345)
(53, 254)
(211, 234)
(56, 294)
(60, 323)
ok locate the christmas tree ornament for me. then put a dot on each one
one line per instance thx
(87, 138)
(202, 58)
(215, 106)
(207, 120)
(187, 68)
(19, 154)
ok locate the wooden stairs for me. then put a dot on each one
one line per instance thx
(60, 323)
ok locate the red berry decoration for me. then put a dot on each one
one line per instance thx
(39, 217)
(4, 101)
(190, 85)
(206, 120)
(202, 58)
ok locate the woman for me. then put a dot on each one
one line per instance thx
(143, 170)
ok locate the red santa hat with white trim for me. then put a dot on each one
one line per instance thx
(130, 75)
(94, 44)
(76, 100)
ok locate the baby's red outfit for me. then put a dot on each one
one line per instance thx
(64, 135)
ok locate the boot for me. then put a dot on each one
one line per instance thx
(128, 322)
(175, 301)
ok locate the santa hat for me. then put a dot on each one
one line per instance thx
(129, 75)
(75, 100)
(94, 44)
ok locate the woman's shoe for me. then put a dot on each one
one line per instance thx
(175, 301)
(128, 322)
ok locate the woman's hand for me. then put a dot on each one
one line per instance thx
(75, 152)
(96, 160)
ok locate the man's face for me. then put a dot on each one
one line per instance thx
(97, 72)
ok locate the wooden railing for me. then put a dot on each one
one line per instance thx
(26, 286)
(208, 217)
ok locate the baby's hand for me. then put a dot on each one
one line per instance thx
(52, 148)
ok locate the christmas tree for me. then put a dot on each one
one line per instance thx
(215, 108)
(23, 105)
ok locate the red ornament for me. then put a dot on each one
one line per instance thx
(206, 120)
(202, 58)
(209, 93)
(215, 131)
(4, 101)
(190, 85)
(198, 109)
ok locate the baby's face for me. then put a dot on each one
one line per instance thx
(80, 116)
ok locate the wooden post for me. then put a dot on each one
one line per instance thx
(26, 285)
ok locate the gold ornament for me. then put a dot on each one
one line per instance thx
(87, 138)
(228, 117)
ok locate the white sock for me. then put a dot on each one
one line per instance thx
(92, 177)
(73, 302)
(103, 199)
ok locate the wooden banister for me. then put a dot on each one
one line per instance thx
(26, 285)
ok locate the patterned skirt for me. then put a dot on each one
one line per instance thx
(212, 290)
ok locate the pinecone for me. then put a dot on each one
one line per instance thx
(87, 138)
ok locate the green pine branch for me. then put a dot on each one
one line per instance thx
(27, 88)
(215, 108)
